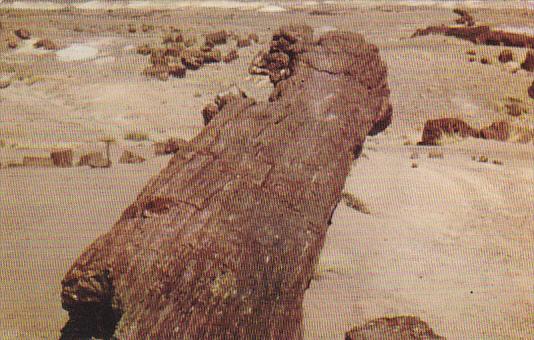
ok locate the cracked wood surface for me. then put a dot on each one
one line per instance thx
(223, 242)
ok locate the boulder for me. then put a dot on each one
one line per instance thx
(216, 38)
(243, 42)
(47, 44)
(170, 146)
(528, 63)
(436, 128)
(94, 157)
(23, 33)
(499, 131)
(231, 56)
(62, 158)
(191, 62)
(129, 157)
(515, 107)
(506, 56)
(393, 328)
(176, 69)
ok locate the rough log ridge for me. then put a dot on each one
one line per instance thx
(223, 242)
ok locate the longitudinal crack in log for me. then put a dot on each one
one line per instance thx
(223, 242)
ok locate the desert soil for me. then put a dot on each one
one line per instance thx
(450, 240)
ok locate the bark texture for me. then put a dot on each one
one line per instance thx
(223, 242)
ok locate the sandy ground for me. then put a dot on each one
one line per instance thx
(451, 241)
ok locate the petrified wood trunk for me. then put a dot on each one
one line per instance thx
(222, 243)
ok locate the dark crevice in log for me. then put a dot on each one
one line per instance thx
(223, 242)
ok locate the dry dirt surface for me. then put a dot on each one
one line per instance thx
(449, 240)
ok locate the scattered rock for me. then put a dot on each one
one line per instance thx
(62, 158)
(231, 56)
(531, 90)
(208, 112)
(217, 38)
(176, 69)
(485, 60)
(37, 161)
(472, 59)
(132, 28)
(395, 328)
(168, 39)
(129, 157)
(515, 107)
(145, 28)
(172, 145)
(528, 63)
(4, 84)
(414, 165)
(214, 56)
(190, 41)
(414, 155)
(499, 131)
(160, 72)
(206, 48)
(483, 159)
(471, 52)
(91, 158)
(465, 17)
(159, 57)
(191, 62)
(12, 42)
(144, 49)
(435, 129)
(47, 44)
(23, 33)
(506, 56)
(355, 203)
(497, 162)
(254, 37)
(243, 42)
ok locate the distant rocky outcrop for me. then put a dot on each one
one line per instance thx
(223, 243)
(393, 328)
(436, 129)
(482, 34)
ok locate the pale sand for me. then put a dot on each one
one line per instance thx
(435, 233)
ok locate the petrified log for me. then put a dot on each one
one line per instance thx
(223, 242)
(482, 35)
(62, 158)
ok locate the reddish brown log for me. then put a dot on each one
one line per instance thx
(223, 242)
